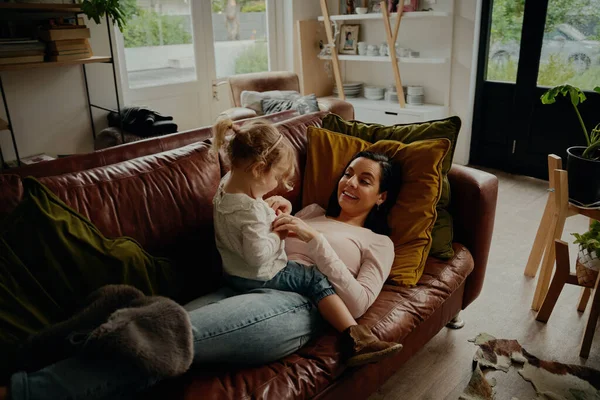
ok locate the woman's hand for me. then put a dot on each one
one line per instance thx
(279, 204)
(295, 227)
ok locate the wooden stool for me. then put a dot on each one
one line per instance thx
(564, 276)
(557, 210)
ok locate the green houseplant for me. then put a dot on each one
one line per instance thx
(96, 9)
(583, 162)
(588, 258)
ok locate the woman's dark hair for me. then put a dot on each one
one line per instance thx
(377, 217)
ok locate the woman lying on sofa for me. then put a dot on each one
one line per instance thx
(263, 325)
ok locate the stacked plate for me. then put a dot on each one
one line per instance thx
(415, 95)
(351, 89)
(374, 92)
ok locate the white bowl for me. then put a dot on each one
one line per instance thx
(362, 10)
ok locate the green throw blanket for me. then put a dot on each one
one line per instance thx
(52, 258)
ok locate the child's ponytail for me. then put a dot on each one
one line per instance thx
(220, 130)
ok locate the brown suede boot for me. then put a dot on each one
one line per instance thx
(362, 347)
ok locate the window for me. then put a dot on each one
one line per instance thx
(158, 41)
(571, 46)
(505, 40)
(240, 36)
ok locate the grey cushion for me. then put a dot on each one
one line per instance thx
(303, 105)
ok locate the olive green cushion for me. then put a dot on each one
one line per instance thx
(447, 128)
(51, 258)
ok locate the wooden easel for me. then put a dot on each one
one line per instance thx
(557, 210)
(391, 35)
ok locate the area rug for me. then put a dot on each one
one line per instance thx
(551, 380)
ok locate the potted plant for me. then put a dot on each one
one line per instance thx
(588, 258)
(583, 162)
(96, 9)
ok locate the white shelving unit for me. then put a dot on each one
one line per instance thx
(375, 16)
(430, 33)
(408, 60)
(388, 113)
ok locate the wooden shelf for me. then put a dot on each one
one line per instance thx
(376, 16)
(41, 7)
(408, 60)
(51, 64)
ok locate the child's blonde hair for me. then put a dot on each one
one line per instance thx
(257, 143)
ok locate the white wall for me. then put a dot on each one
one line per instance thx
(467, 16)
(48, 107)
(296, 10)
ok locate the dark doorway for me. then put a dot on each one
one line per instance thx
(525, 47)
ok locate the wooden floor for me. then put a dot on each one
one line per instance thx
(442, 369)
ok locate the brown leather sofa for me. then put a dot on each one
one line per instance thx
(164, 200)
(281, 80)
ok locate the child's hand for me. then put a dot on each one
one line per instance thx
(279, 204)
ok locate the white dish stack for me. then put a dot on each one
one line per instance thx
(374, 92)
(351, 89)
(415, 95)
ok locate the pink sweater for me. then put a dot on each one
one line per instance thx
(356, 260)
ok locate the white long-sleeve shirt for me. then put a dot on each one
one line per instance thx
(244, 238)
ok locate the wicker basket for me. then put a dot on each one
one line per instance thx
(587, 268)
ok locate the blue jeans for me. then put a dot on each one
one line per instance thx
(258, 327)
(295, 277)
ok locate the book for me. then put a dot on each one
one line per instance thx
(74, 44)
(37, 45)
(21, 60)
(21, 53)
(36, 159)
(18, 41)
(68, 52)
(64, 34)
(69, 57)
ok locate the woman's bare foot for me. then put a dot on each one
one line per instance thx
(3, 393)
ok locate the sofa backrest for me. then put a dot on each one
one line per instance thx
(163, 200)
(262, 82)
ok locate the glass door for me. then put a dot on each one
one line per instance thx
(558, 43)
(178, 53)
(165, 60)
(243, 33)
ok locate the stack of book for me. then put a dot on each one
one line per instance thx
(18, 51)
(67, 43)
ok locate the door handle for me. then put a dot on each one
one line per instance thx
(215, 85)
(391, 113)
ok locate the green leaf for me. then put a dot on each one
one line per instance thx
(574, 93)
(597, 89)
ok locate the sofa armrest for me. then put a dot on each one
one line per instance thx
(337, 106)
(237, 113)
(473, 208)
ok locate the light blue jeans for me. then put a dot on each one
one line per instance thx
(258, 327)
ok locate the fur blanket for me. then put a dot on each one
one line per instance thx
(153, 333)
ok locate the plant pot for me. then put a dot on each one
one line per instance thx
(584, 177)
(587, 268)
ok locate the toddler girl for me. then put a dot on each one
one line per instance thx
(253, 255)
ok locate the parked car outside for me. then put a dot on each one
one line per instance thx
(564, 40)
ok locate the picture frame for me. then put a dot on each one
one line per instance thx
(349, 39)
